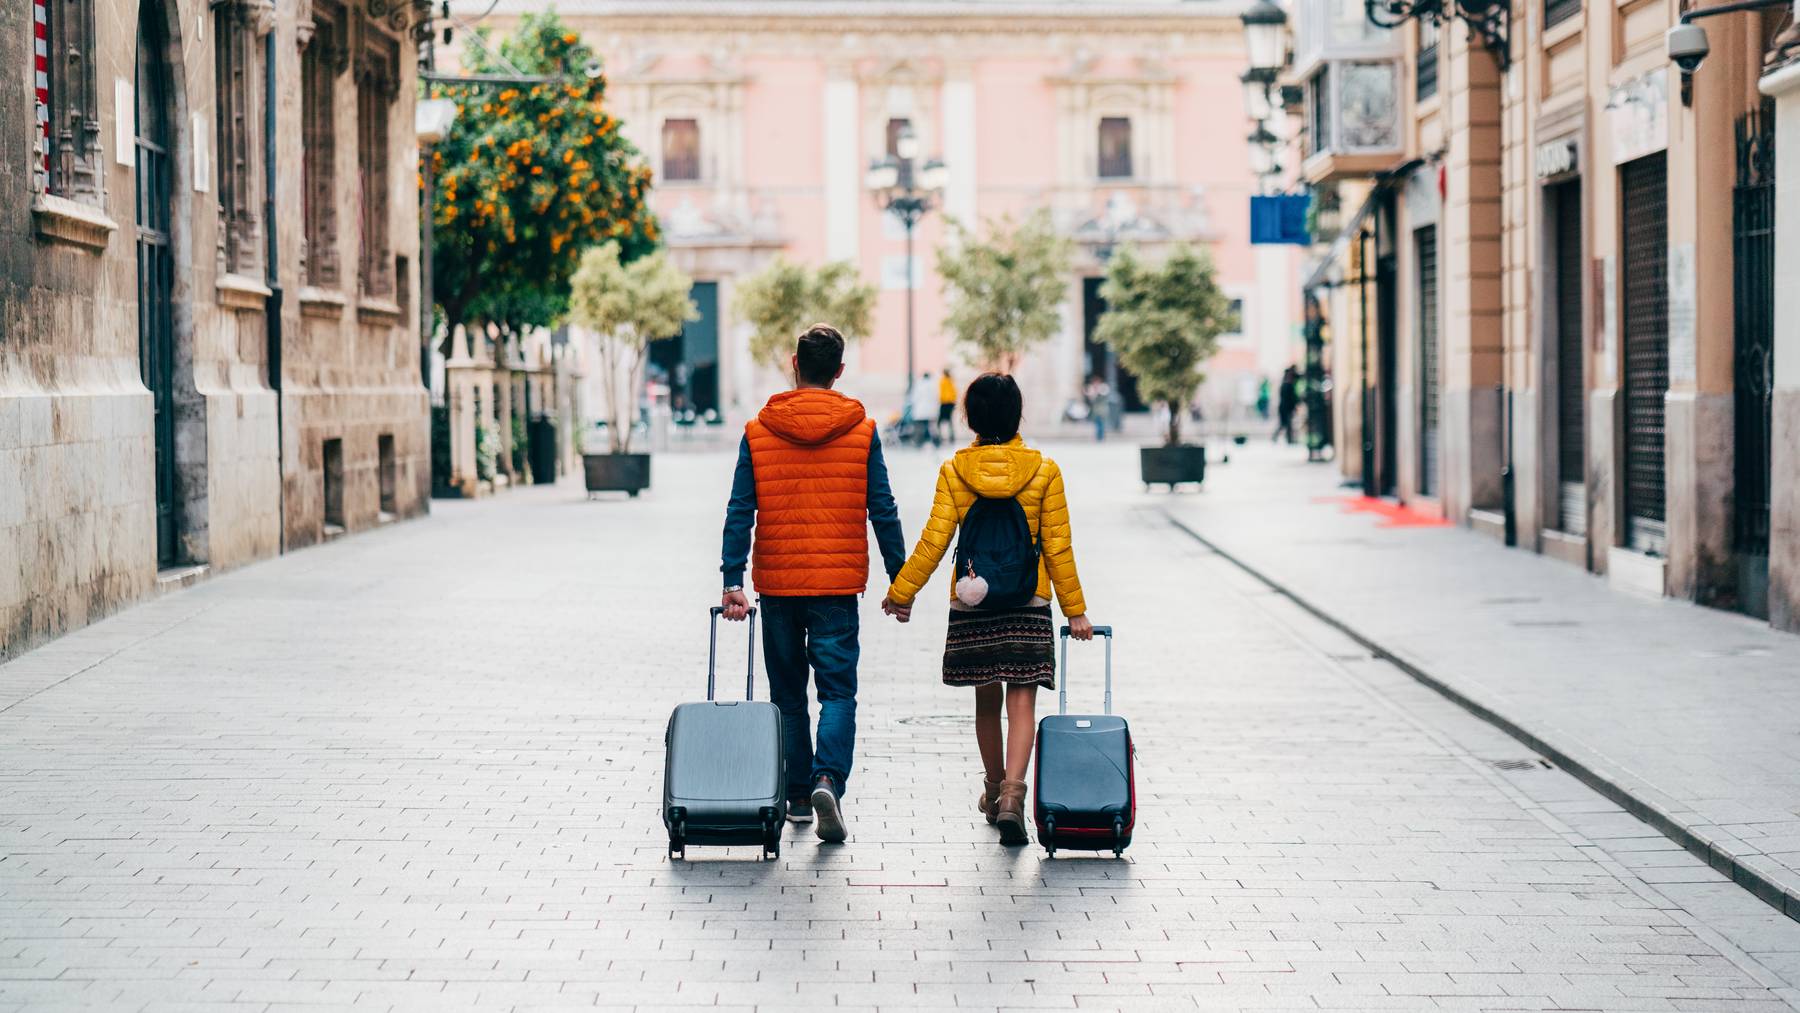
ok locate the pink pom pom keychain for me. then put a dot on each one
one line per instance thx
(971, 590)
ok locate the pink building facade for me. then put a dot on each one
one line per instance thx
(1124, 119)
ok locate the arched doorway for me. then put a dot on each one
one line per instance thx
(156, 267)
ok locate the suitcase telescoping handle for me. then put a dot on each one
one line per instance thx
(712, 655)
(1062, 689)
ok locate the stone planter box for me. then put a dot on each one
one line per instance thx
(1172, 466)
(626, 473)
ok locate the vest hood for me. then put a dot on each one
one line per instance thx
(997, 470)
(811, 415)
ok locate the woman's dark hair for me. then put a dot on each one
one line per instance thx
(993, 407)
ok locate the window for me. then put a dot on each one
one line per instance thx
(896, 126)
(378, 76)
(1115, 147)
(332, 467)
(1234, 316)
(1425, 76)
(237, 63)
(681, 150)
(68, 118)
(1558, 11)
(319, 66)
(384, 451)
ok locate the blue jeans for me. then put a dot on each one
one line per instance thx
(820, 632)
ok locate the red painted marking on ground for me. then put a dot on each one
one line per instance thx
(1392, 514)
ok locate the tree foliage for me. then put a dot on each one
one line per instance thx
(1164, 321)
(784, 298)
(1004, 287)
(527, 178)
(627, 306)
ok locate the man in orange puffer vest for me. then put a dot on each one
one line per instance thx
(809, 472)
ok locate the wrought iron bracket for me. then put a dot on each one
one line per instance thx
(1488, 20)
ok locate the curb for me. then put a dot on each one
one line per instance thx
(1783, 897)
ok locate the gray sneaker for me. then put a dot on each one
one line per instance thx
(799, 810)
(826, 806)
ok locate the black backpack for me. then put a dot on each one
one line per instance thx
(995, 544)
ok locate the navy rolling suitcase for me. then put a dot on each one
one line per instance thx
(723, 781)
(1086, 792)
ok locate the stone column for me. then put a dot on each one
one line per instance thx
(1783, 83)
(1469, 248)
(1699, 425)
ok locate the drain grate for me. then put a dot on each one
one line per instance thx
(1533, 764)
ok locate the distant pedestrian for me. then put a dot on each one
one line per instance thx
(811, 480)
(946, 418)
(1287, 400)
(1000, 638)
(1098, 394)
(1262, 399)
(924, 403)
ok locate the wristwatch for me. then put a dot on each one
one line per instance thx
(733, 587)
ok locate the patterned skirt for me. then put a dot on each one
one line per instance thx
(1013, 646)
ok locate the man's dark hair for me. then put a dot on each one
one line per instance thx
(993, 406)
(818, 354)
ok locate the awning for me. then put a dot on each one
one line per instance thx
(1383, 182)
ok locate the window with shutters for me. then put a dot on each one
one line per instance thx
(320, 64)
(1558, 11)
(681, 150)
(1425, 76)
(378, 77)
(1115, 147)
(238, 26)
(67, 142)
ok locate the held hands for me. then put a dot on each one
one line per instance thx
(900, 612)
(736, 605)
(1081, 628)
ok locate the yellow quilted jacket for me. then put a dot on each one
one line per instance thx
(1008, 469)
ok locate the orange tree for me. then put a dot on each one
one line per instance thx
(528, 177)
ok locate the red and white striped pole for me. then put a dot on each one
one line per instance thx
(40, 16)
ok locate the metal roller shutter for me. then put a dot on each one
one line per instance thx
(1645, 269)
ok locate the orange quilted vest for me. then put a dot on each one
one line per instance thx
(809, 453)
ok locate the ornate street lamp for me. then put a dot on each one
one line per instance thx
(1265, 36)
(1258, 105)
(908, 192)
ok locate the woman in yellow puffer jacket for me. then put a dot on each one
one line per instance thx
(1005, 653)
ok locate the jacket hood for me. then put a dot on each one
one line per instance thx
(997, 470)
(811, 415)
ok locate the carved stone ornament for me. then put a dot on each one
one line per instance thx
(303, 23)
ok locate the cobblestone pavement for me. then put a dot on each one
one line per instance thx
(419, 769)
(1692, 713)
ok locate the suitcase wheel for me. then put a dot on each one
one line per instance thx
(678, 840)
(771, 840)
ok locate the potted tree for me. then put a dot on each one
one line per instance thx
(626, 306)
(1004, 287)
(782, 299)
(1164, 321)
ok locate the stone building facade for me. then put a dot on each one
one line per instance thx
(185, 384)
(1564, 269)
(761, 117)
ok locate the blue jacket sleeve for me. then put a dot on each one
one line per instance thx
(884, 514)
(740, 515)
